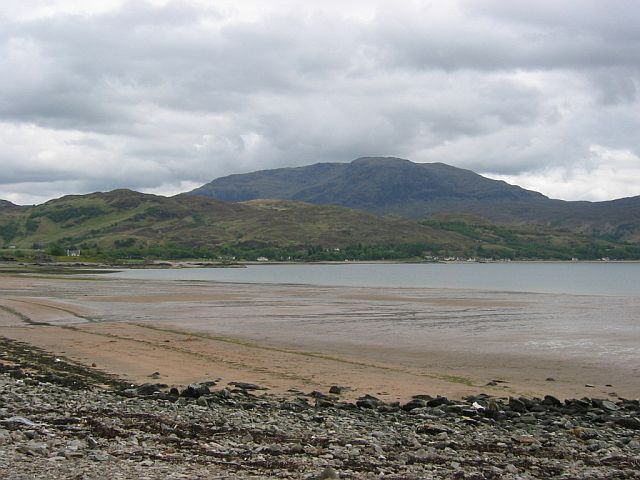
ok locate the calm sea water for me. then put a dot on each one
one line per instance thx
(620, 279)
(585, 315)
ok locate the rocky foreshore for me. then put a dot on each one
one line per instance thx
(59, 419)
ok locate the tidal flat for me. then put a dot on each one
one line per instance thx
(105, 377)
(389, 342)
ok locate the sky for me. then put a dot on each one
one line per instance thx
(164, 96)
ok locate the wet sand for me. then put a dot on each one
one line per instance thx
(391, 343)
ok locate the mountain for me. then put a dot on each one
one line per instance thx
(378, 185)
(393, 186)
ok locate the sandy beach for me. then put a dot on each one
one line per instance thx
(392, 343)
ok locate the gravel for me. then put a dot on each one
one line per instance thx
(59, 419)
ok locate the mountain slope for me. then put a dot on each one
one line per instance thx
(127, 224)
(125, 216)
(414, 190)
(7, 204)
(379, 185)
(9, 213)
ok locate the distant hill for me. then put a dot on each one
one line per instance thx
(128, 224)
(393, 186)
(5, 204)
(9, 217)
(107, 218)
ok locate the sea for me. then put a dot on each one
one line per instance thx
(574, 278)
(583, 314)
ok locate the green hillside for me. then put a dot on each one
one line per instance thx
(131, 222)
(521, 242)
(127, 224)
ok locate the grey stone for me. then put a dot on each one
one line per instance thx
(99, 457)
(19, 421)
(338, 390)
(607, 405)
(629, 422)
(510, 468)
(551, 401)
(517, 405)
(247, 386)
(369, 402)
(195, 390)
(147, 389)
(413, 404)
(436, 402)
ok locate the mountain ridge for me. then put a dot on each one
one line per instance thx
(442, 180)
(393, 186)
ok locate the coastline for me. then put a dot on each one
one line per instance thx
(59, 419)
(277, 335)
(195, 263)
(106, 378)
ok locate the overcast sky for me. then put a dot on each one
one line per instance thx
(163, 96)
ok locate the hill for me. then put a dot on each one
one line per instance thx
(124, 219)
(395, 186)
(128, 224)
(5, 204)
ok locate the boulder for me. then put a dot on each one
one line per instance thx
(436, 402)
(517, 405)
(195, 390)
(413, 404)
(247, 386)
(629, 422)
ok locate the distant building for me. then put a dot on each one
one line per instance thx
(73, 253)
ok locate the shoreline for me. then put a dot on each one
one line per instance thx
(193, 331)
(59, 419)
(196, 264)
(110, 378)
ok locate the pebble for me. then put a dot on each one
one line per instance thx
(19, 420)
(58, 430)
(327, 474)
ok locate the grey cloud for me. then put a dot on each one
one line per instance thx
(494, 34)
(616, 86)
(173, 94)
(613, 19)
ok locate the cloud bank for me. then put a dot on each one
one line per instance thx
(163, 96)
